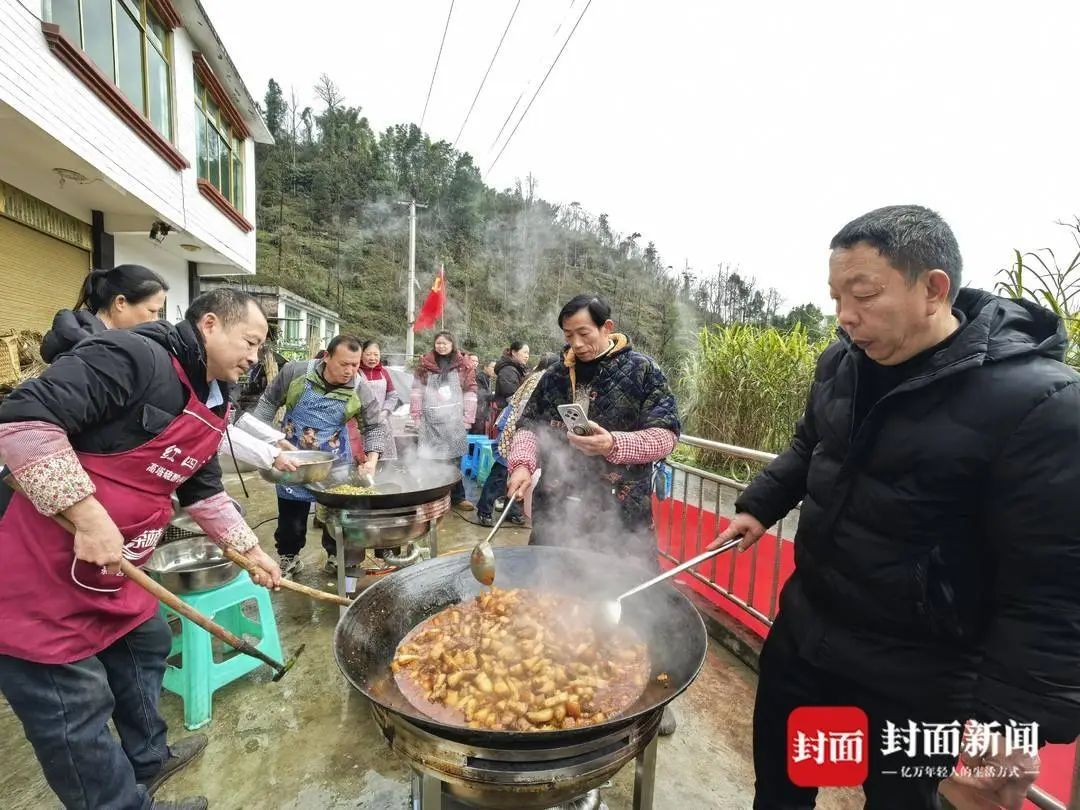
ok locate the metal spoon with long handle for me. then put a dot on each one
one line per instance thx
(365, 478)
(611, 610)
(482, 558)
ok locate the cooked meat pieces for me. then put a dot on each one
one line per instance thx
(520, 660)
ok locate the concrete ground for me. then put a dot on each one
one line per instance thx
(309, 743)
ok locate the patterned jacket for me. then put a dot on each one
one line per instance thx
(629, 393)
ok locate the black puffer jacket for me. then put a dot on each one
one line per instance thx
(117, 390)
(938, 551)
(69, 328)
(509, 374)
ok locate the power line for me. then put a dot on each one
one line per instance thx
(487, 72)
(510, 137)
(437, 60)
(506, 121)
(529, 83)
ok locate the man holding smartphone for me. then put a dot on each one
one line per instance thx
(595, 492)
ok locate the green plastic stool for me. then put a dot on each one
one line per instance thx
(198, 676)
(487, 461)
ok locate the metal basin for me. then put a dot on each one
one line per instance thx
(313, 466)
(189, 566)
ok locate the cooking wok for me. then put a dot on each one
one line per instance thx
(368, 634)
(398, 484)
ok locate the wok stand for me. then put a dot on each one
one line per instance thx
(460, 768)
(430, 793)
(383, 529)
(450, 775)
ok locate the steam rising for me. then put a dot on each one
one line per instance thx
(533, 256)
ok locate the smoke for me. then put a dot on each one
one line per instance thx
(589, 519)
(581, 510)
(577, 510)
(512, 260)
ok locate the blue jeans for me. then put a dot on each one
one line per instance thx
(65, 711)
(495, 487)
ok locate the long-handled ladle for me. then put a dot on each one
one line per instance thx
(482, 558)
(610, 612)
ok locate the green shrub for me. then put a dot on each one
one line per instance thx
(1054, 283)
(747, 386)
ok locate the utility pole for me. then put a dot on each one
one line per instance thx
(412, 277)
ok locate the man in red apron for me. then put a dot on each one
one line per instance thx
(104, 438)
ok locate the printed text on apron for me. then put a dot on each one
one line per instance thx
(55, 609)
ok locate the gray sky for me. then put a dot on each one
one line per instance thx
(733, 132)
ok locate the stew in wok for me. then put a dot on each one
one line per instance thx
(520, 660)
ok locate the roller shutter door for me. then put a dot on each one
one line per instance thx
(38, 275)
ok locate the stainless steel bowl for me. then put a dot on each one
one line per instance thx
(312, 466)
(192, 565)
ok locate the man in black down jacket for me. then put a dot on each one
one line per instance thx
(77, 649)
(938, 552)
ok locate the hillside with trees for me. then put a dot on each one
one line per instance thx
(331, 229)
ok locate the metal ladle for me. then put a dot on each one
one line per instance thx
(610, 611)
(482, 558)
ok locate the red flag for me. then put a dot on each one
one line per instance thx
(433, 304)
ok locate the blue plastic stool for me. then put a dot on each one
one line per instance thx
(198, 676)
(470, 462)
(487, 461)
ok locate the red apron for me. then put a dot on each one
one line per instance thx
(55, 609)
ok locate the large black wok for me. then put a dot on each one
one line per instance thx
(398, 484)
(368, 634)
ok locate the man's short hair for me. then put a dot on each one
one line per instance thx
(228, 303)
(599, 309)
(914, 239)
(350, 342)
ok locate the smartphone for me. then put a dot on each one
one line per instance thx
(575, 419)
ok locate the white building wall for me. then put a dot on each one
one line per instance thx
(43, 90)
(202, 217)
(136, 249)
